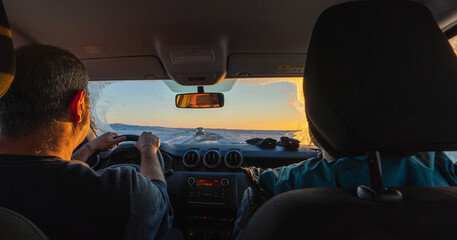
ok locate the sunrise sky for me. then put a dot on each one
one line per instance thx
(260, 104)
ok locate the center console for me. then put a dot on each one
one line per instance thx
(205, 204)
(208, 191)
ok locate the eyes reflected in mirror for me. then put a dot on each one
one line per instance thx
(200, 100)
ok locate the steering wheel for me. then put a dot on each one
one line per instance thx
(134, 138)
(96, 159)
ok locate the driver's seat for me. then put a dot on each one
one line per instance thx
(15, 226)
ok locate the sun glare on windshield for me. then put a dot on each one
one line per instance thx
(453, 42)
(266, 107)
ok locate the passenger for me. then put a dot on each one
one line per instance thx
(43, 117)
(419, 169)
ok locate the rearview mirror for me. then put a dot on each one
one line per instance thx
(200, 100)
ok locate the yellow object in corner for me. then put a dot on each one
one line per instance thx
(5, 82)
(5, 32)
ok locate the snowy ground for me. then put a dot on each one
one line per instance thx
(188, 136)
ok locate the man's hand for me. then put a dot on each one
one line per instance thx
(147, 140)
(149, 144)
(105, 142)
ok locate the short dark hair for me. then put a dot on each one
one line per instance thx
(47, 78)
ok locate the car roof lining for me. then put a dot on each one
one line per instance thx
(150, 28)
(452, 31)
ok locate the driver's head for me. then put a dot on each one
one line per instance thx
(49, 87)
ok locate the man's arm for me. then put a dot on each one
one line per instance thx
(151, 215)
(311, 173)
(148, 144)
(104, 142)
(83, 153)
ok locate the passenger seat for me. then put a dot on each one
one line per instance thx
(380, 77)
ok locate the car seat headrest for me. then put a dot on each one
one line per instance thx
(7, 60)
(380, 76)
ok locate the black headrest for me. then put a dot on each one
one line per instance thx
(380, 75)
(7, 60)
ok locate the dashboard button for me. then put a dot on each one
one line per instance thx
(208, 195)
(191, 181)
(225, 182)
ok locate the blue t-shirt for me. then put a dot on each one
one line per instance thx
(69, 200)
(422, 169)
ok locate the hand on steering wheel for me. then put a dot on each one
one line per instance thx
(105, 142)
(148, 142)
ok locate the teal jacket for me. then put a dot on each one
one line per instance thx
(422, 169)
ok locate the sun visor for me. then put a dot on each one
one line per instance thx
(125, 68)
(266, 65)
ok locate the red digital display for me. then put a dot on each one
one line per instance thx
(208, 182)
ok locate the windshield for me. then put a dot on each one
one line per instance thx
(261, 107)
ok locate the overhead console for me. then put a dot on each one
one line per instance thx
(195, 66)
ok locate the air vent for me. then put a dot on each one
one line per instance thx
(212, 159)
(191, 159)
(233, 159)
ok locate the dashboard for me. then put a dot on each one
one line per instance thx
(205, 182)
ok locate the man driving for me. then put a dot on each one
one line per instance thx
(43, 118)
